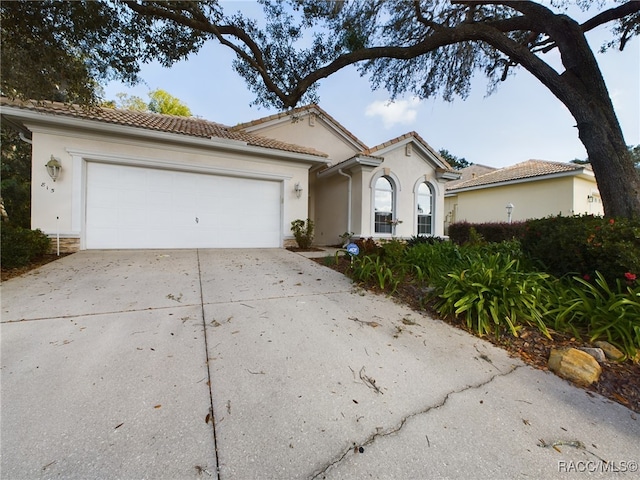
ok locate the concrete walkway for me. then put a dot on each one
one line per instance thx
(261, 364)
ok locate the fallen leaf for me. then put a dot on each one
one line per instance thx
(157, 406)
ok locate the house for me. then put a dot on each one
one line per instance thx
(535, 189)
(395, 189)
(104, 178)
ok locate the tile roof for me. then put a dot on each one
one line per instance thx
(190, 126)
(523, 170)
(299, 111)
(472, 171)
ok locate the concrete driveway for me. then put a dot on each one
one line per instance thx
(261, 364)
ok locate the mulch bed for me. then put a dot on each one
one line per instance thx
(310, 249)
(8, 273)
(619, 382)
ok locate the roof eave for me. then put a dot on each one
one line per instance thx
(283, 117)
(27, 116)
(447, 175)
(358, 160)
(572, 173)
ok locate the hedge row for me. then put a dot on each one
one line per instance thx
(577, 245)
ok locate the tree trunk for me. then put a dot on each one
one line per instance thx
(618, 180)
(582, 89)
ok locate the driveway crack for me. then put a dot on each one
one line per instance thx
(379, 433)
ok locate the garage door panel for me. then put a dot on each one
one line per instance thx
(134, 207)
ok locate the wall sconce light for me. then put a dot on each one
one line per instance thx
(53, 168)
(590, 198)
(509, 211)
(298, 189)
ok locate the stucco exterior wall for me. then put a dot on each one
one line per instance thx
(331, 210)
(535, 199)
(408, 172)
(586, 199)
(315, 134)
(57, 206)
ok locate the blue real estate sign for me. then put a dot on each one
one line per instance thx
(352, 249)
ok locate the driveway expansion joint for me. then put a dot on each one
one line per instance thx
(379, 433)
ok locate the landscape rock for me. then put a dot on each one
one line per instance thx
(596, 353)
(574, 365)
(611, 352)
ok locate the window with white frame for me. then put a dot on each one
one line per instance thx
(425, 209)
(384, 197)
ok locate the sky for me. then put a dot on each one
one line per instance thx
(521, 121)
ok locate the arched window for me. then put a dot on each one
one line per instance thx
(384, 205)
(425, 209)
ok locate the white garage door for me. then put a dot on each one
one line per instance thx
(134, 207)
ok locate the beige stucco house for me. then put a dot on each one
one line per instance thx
(535, 189)
(395, 189)
(143, 180)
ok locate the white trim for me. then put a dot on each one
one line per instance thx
(433, 193)
(79, 185)
(573, 173)
(395, 189)
(149, 162)
(381, 173)
(358, 160)
(77, 193)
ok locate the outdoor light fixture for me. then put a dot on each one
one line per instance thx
(509, 211)
(53, 168)
(298, 189)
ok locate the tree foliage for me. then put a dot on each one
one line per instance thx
(455, 162)
(63, 51)
(15, 186)
(160, 101)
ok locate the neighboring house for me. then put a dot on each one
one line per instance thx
(144, 180)
(395, 189)
(535, 188)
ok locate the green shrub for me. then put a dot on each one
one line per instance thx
(393, 250)
(598, 311)
(303, 232)
(460, 232)
(20, 245)
(430, 263)
(493, 295)
(582, 245)
(424, 239)
(367, 246)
